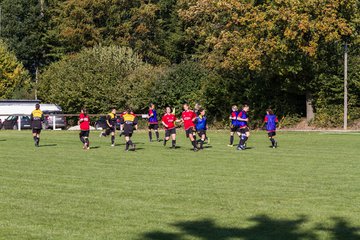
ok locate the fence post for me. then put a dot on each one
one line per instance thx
(54, 121)
(19, 123)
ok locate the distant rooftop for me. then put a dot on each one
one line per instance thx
(7, 101)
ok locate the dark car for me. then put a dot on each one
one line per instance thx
(101, 123)
(60, 121)
(11, 122)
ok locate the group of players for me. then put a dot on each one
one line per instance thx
(195, 123)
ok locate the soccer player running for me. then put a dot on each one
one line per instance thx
(153, 122)
(129, 123)
(235, 124)
(84, 122)
(271, 120)
(36, 118)
(111, 126)
(188, 117)
(201, 126)
(168, 120)
(244, 129)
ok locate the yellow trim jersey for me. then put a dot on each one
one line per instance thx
(36, 118)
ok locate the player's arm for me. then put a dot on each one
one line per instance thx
(194, 117)
(163, 123)
(242, 119)
(135, 123)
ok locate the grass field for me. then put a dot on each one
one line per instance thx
(308, 188)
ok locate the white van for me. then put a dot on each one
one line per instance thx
(14, 107)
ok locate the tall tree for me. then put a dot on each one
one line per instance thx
(13, 76)
(268, 39)
(24, 27)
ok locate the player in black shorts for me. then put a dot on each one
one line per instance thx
(129, 124)
(153, 122)
(110, 126)
(244, 127)
(169, 120)
(36, 117)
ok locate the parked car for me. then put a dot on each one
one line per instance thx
(60, 121)
(101, 123)
(11, 122)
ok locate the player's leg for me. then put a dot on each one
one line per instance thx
(202, 140)
(86, 139)
(127, 145)
(156, 129)
(82, 138)
(150, 133)
(272, 139)
(173, 137)
(113, 137)
(243, 138)
(34, 137)
(167, 136)
(38, 131)
(232, 131)
(189, 132)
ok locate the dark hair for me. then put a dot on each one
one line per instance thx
(245, 105)
(201, 109)
(168, 107)
(84, 110)
(270, 111)
(37, 106)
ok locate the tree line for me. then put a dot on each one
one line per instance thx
(100, 54)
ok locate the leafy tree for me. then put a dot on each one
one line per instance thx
(24, 27)
(98, 78)
(180, 84)
(13, 76)
(278, 45)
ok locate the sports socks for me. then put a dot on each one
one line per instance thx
(82, 140)
(150, 136)
(157, 135)
(243, 139)
(201, 143)
(112, 139)
(173, 143)
(194, 143)
(231, 140)
(165, 141)
(273, 142)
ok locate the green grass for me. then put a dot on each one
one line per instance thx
(308, 188)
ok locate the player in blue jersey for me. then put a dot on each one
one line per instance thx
(201, 126)
(271, 121)
(153, 122)
(235, 124)
(243, 126)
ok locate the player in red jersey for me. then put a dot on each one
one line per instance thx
(168, 120)
(84, 122)
(188, 117)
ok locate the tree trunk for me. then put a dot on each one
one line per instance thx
(309, 107)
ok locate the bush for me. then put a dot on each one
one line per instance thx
(99, 78)
(289, 121)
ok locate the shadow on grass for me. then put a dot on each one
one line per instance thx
(48, 145)
(2, 140)
(264, 227)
